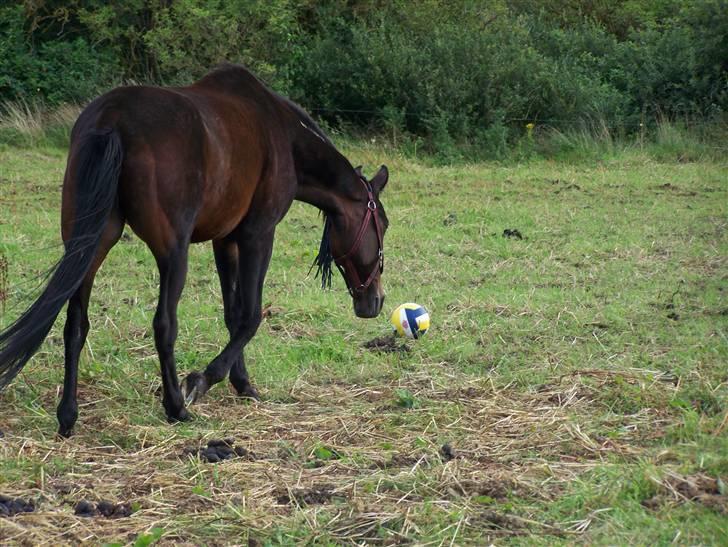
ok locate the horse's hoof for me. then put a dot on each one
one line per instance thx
(249, 392)
(193, 387)
(181, 416)
(65, 432)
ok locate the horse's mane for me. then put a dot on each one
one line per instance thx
(325, 257)
(240, 73)
(305, 120)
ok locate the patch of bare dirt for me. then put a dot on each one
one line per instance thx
(306, 496)
(669, 187)
(386, 344)
(698, 488)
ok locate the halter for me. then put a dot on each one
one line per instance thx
(344, 263)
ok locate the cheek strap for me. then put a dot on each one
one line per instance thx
(344, 262)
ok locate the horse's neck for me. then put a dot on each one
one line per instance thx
(324, 175)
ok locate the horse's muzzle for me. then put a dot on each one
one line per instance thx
(369, 304)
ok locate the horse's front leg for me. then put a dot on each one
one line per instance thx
(242, 288)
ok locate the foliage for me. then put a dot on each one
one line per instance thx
(54, 70)
(474, 80)
(258, 34)
(464, 86)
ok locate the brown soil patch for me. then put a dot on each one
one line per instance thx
(698, 488)
(386, 344)
(306, 496)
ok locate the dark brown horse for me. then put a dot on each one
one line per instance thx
(221, 160)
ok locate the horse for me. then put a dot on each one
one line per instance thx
(220, 160)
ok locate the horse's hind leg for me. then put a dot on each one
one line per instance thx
(244, 318)
(77, 327)
(172, 272)
(226, 259)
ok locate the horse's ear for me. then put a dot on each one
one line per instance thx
(358, 172)
(380, 179)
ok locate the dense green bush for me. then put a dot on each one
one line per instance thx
(54, 71)
(471, 81)
(45, 45)
(176, 42)
(456, 83)
(463, 77)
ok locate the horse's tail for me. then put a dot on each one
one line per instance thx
(96, 174)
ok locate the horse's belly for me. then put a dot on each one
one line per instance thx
(219, 218)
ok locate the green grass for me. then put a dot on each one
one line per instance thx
(572, 371)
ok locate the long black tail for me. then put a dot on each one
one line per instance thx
(98, 164)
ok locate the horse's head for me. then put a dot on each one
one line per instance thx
(354, 240)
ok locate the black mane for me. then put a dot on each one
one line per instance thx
(324, 258)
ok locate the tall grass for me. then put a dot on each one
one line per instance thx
(664, 140)
(679, 141)
(33, 123)
(591, 139)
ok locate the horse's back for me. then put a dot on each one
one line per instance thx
(193, 158)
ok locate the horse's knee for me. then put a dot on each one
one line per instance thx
(249, 324)
(160, 323)
(164, 332)
(232, 319)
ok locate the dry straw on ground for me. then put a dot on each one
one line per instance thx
(339, 461)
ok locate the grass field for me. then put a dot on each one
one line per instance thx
(577, 375)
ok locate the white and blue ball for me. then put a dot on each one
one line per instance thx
(410, 320)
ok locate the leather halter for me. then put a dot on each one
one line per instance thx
(344, 262)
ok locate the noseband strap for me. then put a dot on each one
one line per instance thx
(345, 263)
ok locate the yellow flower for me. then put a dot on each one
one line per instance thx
(530, 127)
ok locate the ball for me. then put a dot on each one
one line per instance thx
(410, 320)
